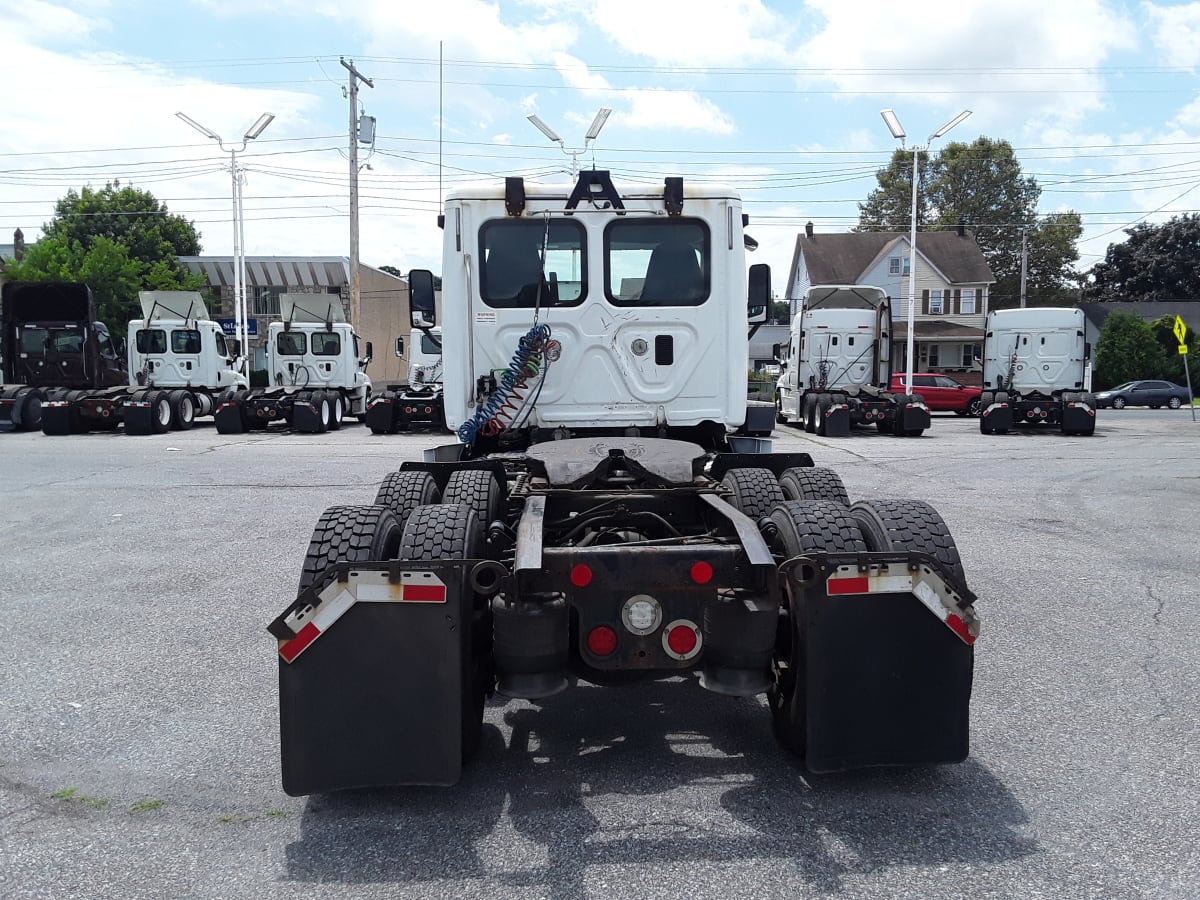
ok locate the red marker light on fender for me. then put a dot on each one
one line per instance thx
(702, 573)
(581, 575)
(602, 640)
(681, 639)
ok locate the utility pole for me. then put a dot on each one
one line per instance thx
(355, 78)
(1024, 261)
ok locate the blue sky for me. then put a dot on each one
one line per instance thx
(1101, 101)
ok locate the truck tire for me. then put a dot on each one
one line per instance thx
(477, 489)
(813, 483)
(402, 492)
(27, 408)
(183, 410)
(320, 402)
(337, 409)
(349, 534)
(810, 418)
(754, 491)
(453, 531)
(803, 527)
(907, 525)
(161, 414)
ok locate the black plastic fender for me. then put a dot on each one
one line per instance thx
(381, 414)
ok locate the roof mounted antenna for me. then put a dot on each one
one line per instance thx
(592, 133)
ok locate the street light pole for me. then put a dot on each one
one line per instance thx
(897, 130)
(239, 243)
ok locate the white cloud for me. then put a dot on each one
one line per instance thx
(37, 20)
(1176, 31)
(980, 51)
(686, 33)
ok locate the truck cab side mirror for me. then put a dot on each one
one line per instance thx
(234, 346)
(365, 361)
(759, 292)
(400, 347)
(422, 310)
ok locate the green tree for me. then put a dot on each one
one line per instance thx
(118, 240)
(1157, 262)
(391, 270)
(980, 186)
(1127, 350)
(781, 312)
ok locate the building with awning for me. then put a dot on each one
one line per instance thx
(383, 301)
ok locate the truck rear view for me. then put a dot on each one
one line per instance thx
(836, 368)
(596, 522)
(1036, 371)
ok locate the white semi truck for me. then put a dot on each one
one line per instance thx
(1036, 371)
(317, 376)
(419, 402)
(600, 518)
(835, 370)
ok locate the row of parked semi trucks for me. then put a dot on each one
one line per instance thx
(836, 370)
(64, 373)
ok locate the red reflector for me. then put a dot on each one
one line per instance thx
(682, 639)
(425, 593)
(959, 627)
(292, 648)
(702, 573)
(602, 640)
(848, 585)
(581, 575)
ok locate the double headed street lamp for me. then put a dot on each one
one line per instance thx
(897, 130)
(592, 133)
(239, 254)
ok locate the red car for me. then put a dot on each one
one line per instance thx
(941, 393)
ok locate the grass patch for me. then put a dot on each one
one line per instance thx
(235, 820)
(145, 806)
(72, 795)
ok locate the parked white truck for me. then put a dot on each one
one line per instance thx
(835, 370)
(598, 520)
(317, 375)
(178, 365)
(1036, 371)
(420, 401)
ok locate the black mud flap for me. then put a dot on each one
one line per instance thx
(371, 675)
(138, 417)
(997, 417)
(760, 419)
(59, 418)
(380, 414)
(888, 678)
(1078, 417)
(228, 417)
(306, 417)
(915, 418)
(835, 420)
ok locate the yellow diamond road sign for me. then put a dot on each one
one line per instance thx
(1180, 329)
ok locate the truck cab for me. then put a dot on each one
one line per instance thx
(176, 345)
(315, 348)
(579, 309)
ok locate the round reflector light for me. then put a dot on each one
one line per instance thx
(702, 573)
(581, 575)
(681, 639)
(641, 614)
(602, 640)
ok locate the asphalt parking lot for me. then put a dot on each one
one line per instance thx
(139, 746)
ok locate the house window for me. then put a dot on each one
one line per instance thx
(894, 265)
(933, 356)
(969, 352)
(967, 307)
(906, 262)
(266, 301)
(935, 302)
